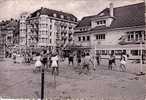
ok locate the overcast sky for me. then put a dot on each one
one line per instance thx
(80, 8)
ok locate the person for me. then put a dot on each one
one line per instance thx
(86, 63)
(98, 58)
(111, 61)
(55, 63)
(38, 63)
(49, 60)
(71, 58)
(123, 61)
(44, 58)
(78, 58)
(14, 57)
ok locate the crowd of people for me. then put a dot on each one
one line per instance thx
(84, 61)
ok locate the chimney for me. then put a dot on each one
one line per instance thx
(111, 10)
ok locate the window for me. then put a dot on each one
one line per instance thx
(118, 52)
(104, 22)
(50, 33)
(134, 52)
(50, 27)
(101, 22)
(50, 20)
(135, 35)
(83, 38)
(100, 36)
(103, 52)
(88, 38)
(132, 36)
(79, 38)
(50, 41)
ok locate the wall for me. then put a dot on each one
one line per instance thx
(112, 37)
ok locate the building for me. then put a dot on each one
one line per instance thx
(47, 28)
(119, 29)
(2, 50)
(9, 35)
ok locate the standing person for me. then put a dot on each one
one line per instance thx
(98, 58)
(14, 57)
(55, 63)
(44, 58)
(49, 60)
(38, 63)
(111, 60)
(114, 59)
(78, 58)
(71, 58)
(86, 63)
(123, 61)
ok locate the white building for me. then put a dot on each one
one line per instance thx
(47, 28)
(119, 29)
(22, 28)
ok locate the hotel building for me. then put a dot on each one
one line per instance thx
(119, 29)
(47, 28)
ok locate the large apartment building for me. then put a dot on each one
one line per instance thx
(47, 28)
(119, 29)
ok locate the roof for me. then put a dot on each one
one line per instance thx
(85, 21)
(50, 13)
(125, 16)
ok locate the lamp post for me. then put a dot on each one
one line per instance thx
(141, 59)
(42, 82)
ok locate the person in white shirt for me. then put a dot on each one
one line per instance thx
(86, 63)
(38, 62)
(54, 65)
(123, 62)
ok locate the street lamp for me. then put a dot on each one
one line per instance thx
(141, 58)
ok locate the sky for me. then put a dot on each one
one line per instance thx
(79, 8)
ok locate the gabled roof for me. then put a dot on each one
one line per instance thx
(50, 13)
(85, 21)
(125, 16)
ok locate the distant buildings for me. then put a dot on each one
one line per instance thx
(9, 36)
(46, 28)
(119, 29)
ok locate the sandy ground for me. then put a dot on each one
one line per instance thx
(19, 81)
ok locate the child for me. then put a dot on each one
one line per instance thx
(54, 65)
(86, 63)
(38, 63)
(111, 61)
(123, 61)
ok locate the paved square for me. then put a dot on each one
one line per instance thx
(19, 81)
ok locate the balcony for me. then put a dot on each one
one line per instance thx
(125, 42)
